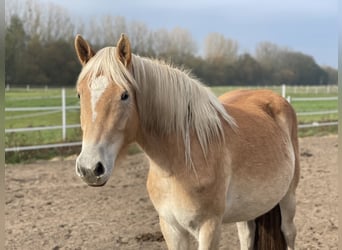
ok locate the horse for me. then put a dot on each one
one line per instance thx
(212, 160)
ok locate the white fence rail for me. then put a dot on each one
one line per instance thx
(316, 124)
(312, 99)
(308, 113)
(63, 108)
(322, 112)
(46, 146)
(15, 130)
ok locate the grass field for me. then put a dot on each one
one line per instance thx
(52, 97)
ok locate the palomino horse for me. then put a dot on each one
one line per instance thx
(212, 160)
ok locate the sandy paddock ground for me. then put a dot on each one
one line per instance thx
(49, 207)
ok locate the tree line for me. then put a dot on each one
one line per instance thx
(39, 50)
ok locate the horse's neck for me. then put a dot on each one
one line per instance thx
(166, 151)
(164, 144)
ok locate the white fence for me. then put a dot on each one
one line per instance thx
(321, 112)
(328, 90)
(63, 108)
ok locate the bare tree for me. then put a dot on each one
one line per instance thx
(218, 49)
(44, 21)
(92, 31)
(269, 54)
(177, 43)
(58, 24)
(182, 42)
(140, 37)
(111, 29)
(161, 42)
(32, 17)
(13, 8)
(266, 53)
(26, 10)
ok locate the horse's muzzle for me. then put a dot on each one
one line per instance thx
(94, 176)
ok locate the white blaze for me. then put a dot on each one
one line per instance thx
(97, 87)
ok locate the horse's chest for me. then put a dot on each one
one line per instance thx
(172, 203)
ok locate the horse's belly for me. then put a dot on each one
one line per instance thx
(249, 198)
(244, 209)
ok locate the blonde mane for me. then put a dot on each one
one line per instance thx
(169, 100)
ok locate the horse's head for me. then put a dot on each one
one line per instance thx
(107, 103)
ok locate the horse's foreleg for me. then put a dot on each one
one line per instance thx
(246, 231)
(176, 238)
(209, 234)
(288, 210)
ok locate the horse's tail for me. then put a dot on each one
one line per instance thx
(268, 234)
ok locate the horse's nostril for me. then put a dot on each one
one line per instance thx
(80, 170)
(99, 169)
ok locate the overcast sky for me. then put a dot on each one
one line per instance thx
(309, 26)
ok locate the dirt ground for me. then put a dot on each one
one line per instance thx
(49, 207)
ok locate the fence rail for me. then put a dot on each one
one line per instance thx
(46, 146)
(55, 108)
(15, 130)
(63, 108)
(323, 112)
(307, 99)
(317, 124)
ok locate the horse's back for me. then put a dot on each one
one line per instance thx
(258, 100)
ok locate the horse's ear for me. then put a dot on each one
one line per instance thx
(123, 50)
(83, 50)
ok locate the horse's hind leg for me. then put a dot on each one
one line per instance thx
(246, 231)
(288, 210)
(176, 238)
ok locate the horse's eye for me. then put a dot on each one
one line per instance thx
(78, 96)
(124, 96)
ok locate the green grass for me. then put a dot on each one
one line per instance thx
(37, 119)
(52, 97)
